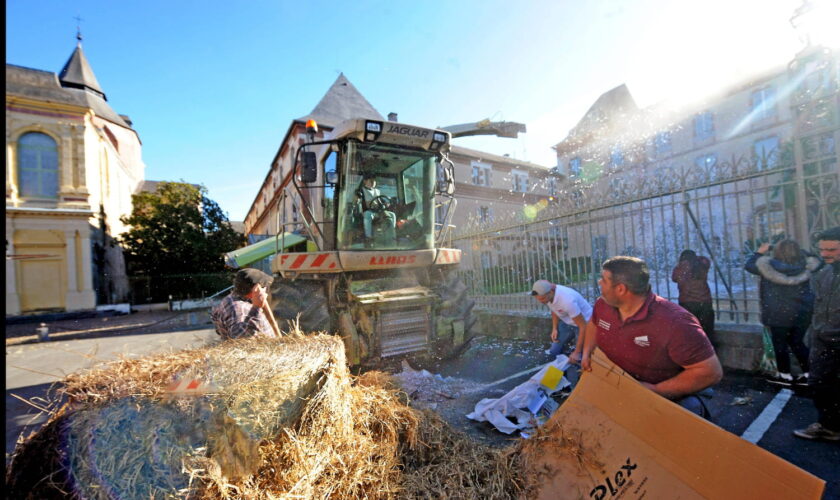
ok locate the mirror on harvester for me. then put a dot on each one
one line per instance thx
(309, 173)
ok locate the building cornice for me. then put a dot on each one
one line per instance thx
(45, 108)
(49, 212)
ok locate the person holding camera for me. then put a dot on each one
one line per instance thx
(787, 303)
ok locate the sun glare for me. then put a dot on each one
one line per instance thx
(818, 22)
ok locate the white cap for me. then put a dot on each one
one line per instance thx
(542, 287)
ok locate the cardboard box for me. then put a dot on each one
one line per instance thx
(613, 438)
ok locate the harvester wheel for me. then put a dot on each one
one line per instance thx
(453, 291)
(307, 298)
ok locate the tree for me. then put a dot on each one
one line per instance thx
(177, 230)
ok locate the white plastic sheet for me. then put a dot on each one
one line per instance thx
(510, 413)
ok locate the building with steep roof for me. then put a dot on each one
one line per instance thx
(341, 102)
(72, 164)
(486, 184)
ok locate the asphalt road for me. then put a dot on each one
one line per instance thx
(32, 369)
(492, 367)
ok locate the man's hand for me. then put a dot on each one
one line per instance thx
(554, 335)
(259, 296)
(586, 362)
(575, 357)
(763, 248)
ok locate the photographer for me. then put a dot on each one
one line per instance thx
(787, 303)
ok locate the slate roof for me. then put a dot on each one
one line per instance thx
(77, 73)
(76, 86)
(609, 106)
(341, 102)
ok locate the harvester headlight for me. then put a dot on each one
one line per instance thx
(438, 138)
(372, 130)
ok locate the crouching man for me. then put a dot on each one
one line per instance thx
(242, 313)
(652, 339)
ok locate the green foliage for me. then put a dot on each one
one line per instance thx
(177, 230)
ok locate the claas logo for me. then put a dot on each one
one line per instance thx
(392, 260)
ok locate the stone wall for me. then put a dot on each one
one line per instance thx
(738, 346)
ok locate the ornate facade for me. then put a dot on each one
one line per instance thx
(72, 164)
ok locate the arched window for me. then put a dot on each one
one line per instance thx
(37, 166)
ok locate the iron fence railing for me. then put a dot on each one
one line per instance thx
(163, 288)
(724, 211)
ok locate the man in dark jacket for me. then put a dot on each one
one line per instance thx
(824, 376)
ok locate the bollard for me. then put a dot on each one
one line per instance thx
(43, 333)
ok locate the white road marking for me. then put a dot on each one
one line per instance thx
(763, 422)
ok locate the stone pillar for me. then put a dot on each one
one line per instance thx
(76, 296)
(80, 294)
(79, 167)
(11, 172)
(12, 298)
(72, 267)
(65, 145)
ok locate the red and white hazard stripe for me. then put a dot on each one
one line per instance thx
(448, 256)
(190, 387)
(309, 261)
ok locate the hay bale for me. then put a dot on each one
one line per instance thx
(288, 421)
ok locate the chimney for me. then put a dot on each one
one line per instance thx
(392, 117)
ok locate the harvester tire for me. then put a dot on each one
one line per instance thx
(307, 298)
(453, 292)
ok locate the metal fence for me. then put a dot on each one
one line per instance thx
(724, 211)
(163, 288)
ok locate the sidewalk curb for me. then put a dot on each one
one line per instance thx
(107, 332)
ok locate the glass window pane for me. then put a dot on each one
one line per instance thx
(49, 183)
(27, 158)
(404, 218)
(28, 182)
(37, 165)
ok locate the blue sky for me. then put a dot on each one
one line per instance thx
(212, 86)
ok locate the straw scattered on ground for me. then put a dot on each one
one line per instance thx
(286, 420)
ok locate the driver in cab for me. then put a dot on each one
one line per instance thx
(374, 206)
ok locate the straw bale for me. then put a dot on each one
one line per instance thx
(288, 421)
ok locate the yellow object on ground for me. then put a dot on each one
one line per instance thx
(552, 377)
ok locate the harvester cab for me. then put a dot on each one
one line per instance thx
(357, 250)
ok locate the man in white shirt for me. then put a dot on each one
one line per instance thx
(567, 305)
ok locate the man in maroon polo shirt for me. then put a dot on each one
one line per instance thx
(654, 340)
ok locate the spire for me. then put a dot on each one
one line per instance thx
(77, 72)
(342, 102)
(78, 31)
